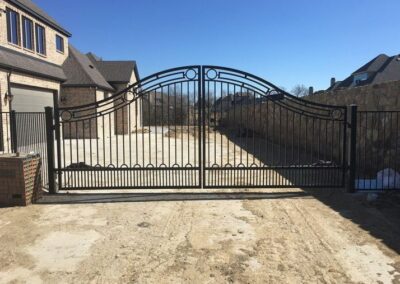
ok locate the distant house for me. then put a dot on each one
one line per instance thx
(225, 103)
(381, 69)
(38, 67)
(91, 79)
(160, 108)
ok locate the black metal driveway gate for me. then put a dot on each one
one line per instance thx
(199, 126)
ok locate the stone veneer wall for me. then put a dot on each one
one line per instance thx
(378, 134)
(304, 139)
(384, 96)
(322, 139)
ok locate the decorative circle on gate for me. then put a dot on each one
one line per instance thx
(211, 74)
(190, 74)
(336, 114)
(66, 115)
(130, 95)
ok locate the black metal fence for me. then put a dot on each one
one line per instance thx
(208, 127)
(378, 150)
(25, 132)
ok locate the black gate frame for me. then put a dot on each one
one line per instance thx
(201, 74)
(269, 92)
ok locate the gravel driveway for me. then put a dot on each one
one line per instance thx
(285, 236)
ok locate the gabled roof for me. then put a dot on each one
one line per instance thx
(374, 65)
(115, 71)
(81, 71)
(31, 8)
(17, 61)
(380, 69)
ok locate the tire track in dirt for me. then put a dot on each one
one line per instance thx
(293, 248)
(358, 254)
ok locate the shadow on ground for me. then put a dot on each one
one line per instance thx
(380, 217)
(76, 198)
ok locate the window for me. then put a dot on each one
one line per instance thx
(59, 43)
(359, 78)
(40, 39)
(27, 33)
(13, 34)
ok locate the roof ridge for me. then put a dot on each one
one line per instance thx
(80, 64)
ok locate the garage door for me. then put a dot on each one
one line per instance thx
(26, 100)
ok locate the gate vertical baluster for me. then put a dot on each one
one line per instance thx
(13, 130)
(202, 123)
(58, 138)
(50, 148)
(352, 148)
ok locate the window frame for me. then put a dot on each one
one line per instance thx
(62, 44)
(24, 36)
(18, 27)
(37, 27)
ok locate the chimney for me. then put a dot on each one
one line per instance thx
(310, 90)
(333, 81)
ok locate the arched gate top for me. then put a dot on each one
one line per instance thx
(202, 75)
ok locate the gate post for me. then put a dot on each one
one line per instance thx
(13, 131)
(352, 149)
(58, 137)
(50, 149)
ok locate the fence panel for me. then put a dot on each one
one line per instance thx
(30, 136)
(5, 133)
(378, 150)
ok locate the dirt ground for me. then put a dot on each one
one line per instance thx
(263, 236)
(200, 236)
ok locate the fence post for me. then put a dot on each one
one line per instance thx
(58, 137)
(50, 148)
(352, 149)
(13, 131)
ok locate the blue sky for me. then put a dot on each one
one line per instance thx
(286, 42)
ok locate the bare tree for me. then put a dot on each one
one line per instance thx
(300, 90)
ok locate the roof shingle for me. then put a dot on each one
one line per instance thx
(380, 69)
(81, 71)
(114, 71)
(17, 61)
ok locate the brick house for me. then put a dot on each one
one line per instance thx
(381, 69)
(35, 57)
(91, 79)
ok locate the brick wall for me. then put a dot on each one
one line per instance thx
(74, 96)
(21, 180)
(128, 117)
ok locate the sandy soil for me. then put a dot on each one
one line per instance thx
(203, 236)
(255, 237)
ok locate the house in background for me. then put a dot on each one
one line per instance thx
(35, 65)
(90, 80)
(381, 69)
(33, 47)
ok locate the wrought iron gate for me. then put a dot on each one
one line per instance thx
(257, 135)
(200, 126)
